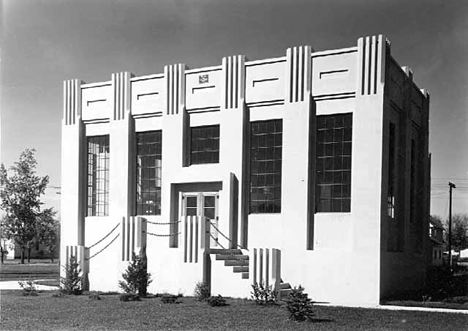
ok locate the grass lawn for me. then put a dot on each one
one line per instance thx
(37, 269)
(46, 312)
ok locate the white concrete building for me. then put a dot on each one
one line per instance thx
(313, 168)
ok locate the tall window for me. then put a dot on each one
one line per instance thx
(98, 176)
(148, 179)
(334, 136)
(204, 147)
(391, 173)
(412, 180)
(266, 143)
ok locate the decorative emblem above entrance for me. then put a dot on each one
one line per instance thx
(203, 79)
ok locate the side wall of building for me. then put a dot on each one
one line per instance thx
(404, 234)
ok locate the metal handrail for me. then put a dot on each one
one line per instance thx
(225, 235)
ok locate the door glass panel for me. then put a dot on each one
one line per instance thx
(191, 207)
(209, 207)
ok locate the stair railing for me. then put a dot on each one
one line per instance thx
(222, 234)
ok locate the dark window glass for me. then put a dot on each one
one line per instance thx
(98, 176)
(266, 144)
(209, 207)
(148, 174)
(204, 146)
(412, 180)
(391, 173)
(333, 177)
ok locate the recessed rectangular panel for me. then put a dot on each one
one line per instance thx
(334, 74)
(265, 82)
(147, 96)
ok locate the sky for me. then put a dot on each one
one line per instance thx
(45, 42)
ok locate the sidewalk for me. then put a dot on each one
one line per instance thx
(14, 285)
(388, 307)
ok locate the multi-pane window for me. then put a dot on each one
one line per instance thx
(148, 179)
(204, 147)
(266, 143)
(334, 136)
(98, 176)
(412, 180)
(391, 173)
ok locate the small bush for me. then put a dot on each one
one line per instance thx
(72, 282)
(299, 306)
(263, 295)
(59, 294)
(136, 279)
(169, 298)
(95, 296)
(129, 297)
(202, 291)
(458, 299)
(29, 287)
(217, 301)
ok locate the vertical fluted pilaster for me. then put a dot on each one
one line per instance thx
(174, 76)
(299, 68)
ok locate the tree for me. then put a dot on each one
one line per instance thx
(459, 231)
(19, 194)
(48, 231)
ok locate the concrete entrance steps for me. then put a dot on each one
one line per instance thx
(240, 263)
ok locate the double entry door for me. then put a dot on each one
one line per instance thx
(203, 204)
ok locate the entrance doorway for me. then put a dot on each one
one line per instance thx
(203, 204)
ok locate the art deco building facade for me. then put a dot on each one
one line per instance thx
(310, 168)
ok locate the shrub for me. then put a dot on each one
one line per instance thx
(136, 279)
(59, 294)
(29, 287)
(263, 295)
(299, 306)
(129, 297)
(72, 282)
(217, 301)
(95, 296)
(169, 298)
(202, 291)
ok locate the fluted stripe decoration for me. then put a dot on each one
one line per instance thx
(133, 233)
(192, 230)
(81, 254)
(122, 95)
(175, 88)
(234, 81)
(71, 101)
(265, 267)
(372, 53)
(299, 73)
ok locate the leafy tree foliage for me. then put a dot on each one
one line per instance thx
(48, 231)
(460, 231)
(19, 194)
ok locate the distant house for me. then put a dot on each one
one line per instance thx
(437, 244)
(310, 168)
(464, 253)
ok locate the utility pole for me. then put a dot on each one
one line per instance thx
(451, 186)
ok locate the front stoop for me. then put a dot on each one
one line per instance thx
(240, 264)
